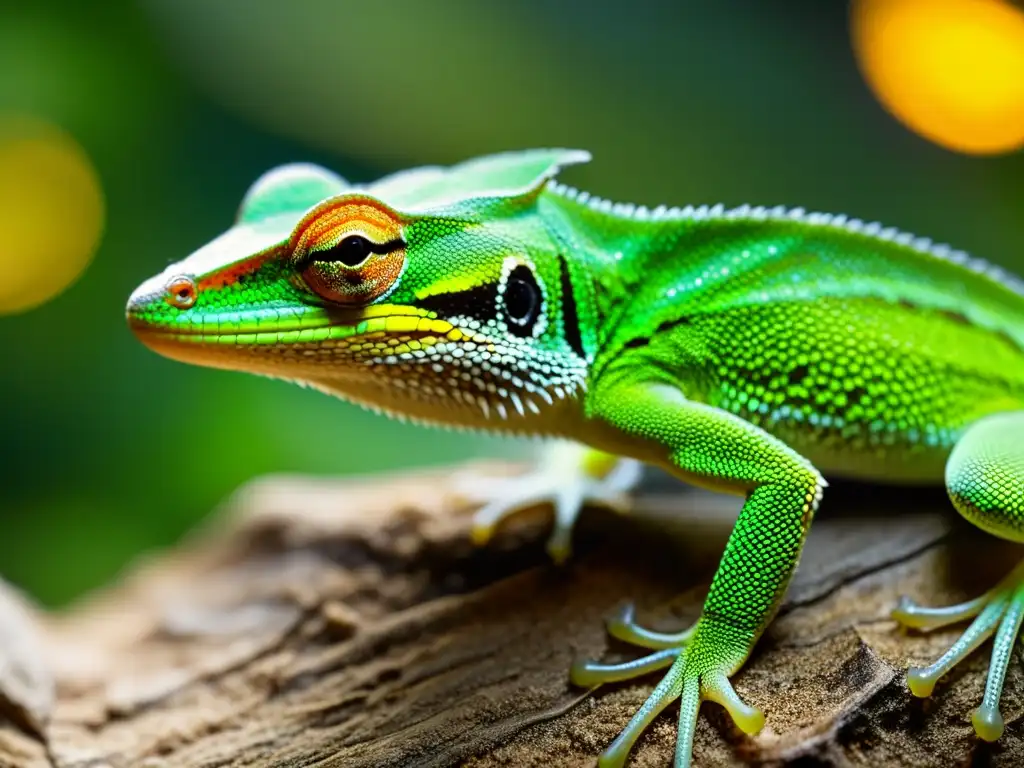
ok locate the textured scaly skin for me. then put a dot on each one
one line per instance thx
(748, 351)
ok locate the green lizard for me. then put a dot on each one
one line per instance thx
(746, 350)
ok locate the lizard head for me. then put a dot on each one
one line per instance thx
(437, 294)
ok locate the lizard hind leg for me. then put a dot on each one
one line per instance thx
(985, 480)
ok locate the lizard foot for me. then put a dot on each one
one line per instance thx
(701, 662)
(998, 611)
(568, 477)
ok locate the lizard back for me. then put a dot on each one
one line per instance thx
(849, 341)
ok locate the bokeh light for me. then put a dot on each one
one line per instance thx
(51, 212)
(951, 70)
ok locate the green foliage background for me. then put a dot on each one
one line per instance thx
(109, 450)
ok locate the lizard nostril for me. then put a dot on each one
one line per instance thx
(181, 292)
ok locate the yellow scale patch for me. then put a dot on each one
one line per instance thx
(384, 330)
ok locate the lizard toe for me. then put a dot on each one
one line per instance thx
(1000, 612)
(623, 627)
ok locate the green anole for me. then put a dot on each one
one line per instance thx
(748, 350)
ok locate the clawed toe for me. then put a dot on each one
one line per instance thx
(922, 680)
(718, 689)
(914, 616)
(665, 693)
(623, 627)
(988, 723)
(667, 646)
(587, 673)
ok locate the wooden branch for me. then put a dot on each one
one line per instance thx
(351, 623)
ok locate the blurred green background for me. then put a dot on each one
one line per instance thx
(109, 450)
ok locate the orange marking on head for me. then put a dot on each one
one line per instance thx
(230, 274)
(327, 225)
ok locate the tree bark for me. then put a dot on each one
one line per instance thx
(352, 623)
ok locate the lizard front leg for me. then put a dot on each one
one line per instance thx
(568, 476)
(707, 446)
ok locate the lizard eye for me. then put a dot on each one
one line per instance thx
(181, 292)
(349, 251)
(521, 298)
(355, 271)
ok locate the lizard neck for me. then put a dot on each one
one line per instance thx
(612, 237)
(618, 246)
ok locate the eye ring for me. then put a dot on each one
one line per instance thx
(348, 251)
(355, 270)
(180, 292)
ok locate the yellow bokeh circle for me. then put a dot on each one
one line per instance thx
(951, 70)
(51, 212)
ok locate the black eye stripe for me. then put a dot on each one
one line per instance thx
(479, 302)
(517, 299)
(570, 313)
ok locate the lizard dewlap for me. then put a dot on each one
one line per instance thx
(752, 351)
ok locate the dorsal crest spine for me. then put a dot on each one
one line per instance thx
(747, 212)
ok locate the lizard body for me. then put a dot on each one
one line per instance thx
(746, 350)
(793, 321)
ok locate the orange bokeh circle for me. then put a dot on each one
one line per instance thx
(950, 70)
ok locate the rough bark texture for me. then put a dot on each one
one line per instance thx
(353, 624)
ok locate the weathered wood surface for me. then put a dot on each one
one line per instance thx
(352, 623)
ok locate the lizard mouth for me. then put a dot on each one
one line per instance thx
(304, 338)
(155, 314)
(273, 329)
(395, 357)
